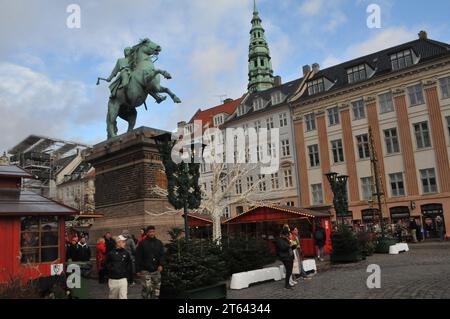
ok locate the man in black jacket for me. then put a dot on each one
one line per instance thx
(118, 265)
(285, 253)
(149, 264)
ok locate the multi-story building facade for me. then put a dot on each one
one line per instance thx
(269, 110)
(403, 95)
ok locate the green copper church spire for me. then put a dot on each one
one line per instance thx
(260, 72)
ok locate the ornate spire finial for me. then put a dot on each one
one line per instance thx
(4, 160)
(260, 72)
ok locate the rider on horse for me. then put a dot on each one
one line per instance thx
(123, 69)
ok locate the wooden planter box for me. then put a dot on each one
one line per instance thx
(347, 258)
(217, 291)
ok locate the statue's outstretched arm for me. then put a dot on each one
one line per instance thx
(114, 72)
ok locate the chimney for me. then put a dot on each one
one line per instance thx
(306, 70)
(423, 35)
(277, 80)
(227, 101)
(316, 67)
(181, 125)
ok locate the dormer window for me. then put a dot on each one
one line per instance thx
(316, 86)
(357, 73)
(242, 109)
(218, 119)
(277, 98)
(258, 104)
(403, 59)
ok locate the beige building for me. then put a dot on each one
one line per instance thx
(403, 95)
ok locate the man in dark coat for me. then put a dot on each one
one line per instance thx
(320, 237)
(109, 242)
(149, 264)
(285, 253)
(82, 251)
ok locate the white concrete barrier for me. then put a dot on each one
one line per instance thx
(398, 248)
(245, 279)
(309, 265)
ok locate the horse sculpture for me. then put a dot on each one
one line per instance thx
(144, 80)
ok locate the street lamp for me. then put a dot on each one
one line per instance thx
(338, 185)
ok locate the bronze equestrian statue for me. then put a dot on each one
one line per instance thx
(136, 78)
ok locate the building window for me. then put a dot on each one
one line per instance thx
(397, 185)
(316, 86)
(285, 148)
(258, 104)
(357, 73)
(269, 123)
(241, 110)
(415, 93)
(338, 151)
(239, 187)
(359, 112)
(448, 125)
(310, 122)
(445, 87)
(363, 146)
(428, 177)
(386, 103)
(422, 135)
(317, 194)
(249, 182)
(391, 139)
(39, 239)
(277, 98)
(262, 183)
(401, 60)
(271, 150)
(288, 178)
(275, 181)
(218, 120)
(283, 120)
(290, 204)
(314, 159)
(333, 116)
(367, 188)
(257, 126)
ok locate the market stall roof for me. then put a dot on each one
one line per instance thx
(13, 171)
(274, 212)
(16, 202)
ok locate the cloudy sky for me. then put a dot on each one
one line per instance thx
(48, 71)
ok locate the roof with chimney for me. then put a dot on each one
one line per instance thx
(286, 89)
(425, 49)
(207, 116)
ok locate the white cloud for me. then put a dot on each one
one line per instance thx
(381, 40)
(311, 7)
(32, 103)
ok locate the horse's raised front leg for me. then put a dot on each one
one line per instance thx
(113, 112)
(164, 73)
(172, 95)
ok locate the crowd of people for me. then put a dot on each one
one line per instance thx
(122, 260)
(288, 250)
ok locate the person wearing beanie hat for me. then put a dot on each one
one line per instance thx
(149, 264)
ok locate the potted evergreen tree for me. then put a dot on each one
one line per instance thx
(193, 270)
(345, 246)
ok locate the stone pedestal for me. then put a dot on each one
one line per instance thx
(127, 169)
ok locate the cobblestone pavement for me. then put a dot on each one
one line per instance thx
(422, 273)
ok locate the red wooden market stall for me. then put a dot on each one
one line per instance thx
(32, 228)
(266, 222)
